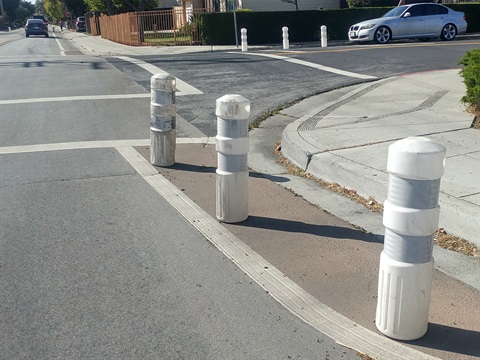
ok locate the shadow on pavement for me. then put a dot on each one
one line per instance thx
(193, 168)
(337, 232)
(448, 338)
(211, 169)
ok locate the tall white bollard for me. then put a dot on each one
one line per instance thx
(244, 39)
(162, 120)
(410, 217)
(323, 36)
(232, 113)
(286, 43)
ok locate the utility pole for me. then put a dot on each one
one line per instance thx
(234, 21)
(2, 11)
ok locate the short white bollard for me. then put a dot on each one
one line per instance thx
(286, 43)
(232, 113)
(162, 120)
(323, 36)
(244, 39)
(9, 29)
(410, 217)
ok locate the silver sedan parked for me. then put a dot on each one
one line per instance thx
(415, 21)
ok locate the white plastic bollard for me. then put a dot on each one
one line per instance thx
(162, 120)
(9, 29)
(244, 39)
(410, 217)
(323, 36)
(286, 43)
(232, 113)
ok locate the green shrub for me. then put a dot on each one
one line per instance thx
(471, 78)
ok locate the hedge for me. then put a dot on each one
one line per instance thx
(304, 26)
(471, 77)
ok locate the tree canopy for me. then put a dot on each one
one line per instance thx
(15, 12)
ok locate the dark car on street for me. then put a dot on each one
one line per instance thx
(40, 17)
(36, 27)
(80, 24)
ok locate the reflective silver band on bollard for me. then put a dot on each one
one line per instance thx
(232, 146)
(410, 217)
(162, 120)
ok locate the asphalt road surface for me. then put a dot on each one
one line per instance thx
(94, 263)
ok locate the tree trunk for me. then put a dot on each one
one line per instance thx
(110, 10)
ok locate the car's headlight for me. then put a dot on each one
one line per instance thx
(367, 26)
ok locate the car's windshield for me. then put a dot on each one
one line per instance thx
(396, 12)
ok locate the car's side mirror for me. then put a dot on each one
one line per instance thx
(407, 14)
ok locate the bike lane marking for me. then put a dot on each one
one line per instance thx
(315, 66)
(182, 87)
(290, 295)
(62, 50)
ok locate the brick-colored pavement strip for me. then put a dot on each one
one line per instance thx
(326, 256)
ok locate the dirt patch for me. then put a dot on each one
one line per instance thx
(476, 122)
(365, 356)
(455, 243)
(475, 110)
(442, 239)
(292, 169)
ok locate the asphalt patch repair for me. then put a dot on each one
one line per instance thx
(326, 256)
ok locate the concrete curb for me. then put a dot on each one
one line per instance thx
(456, 265)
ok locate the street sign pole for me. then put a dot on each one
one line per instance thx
(235, 21)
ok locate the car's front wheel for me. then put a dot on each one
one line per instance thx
(46, 35)
(27, 35)
(449, 32)
(382, 35)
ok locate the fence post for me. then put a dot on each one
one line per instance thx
(162, 120)
(410, 217)
(244, 39)
(323, 36)
(286, 43)
(232, 113)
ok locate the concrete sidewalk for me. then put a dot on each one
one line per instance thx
(343, 137)
(97, 46)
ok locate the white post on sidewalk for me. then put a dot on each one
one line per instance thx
(162, 120)
(286, 43)
(323, 36)
(410, 217)
(244, 39)
(232, 113)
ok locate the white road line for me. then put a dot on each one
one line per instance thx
(182, 86)
(284, 290)
(62, 50)
(315, 66)
(74, 98)
(80, 98)
(94, 144)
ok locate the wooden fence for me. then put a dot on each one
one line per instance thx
(163, 27)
